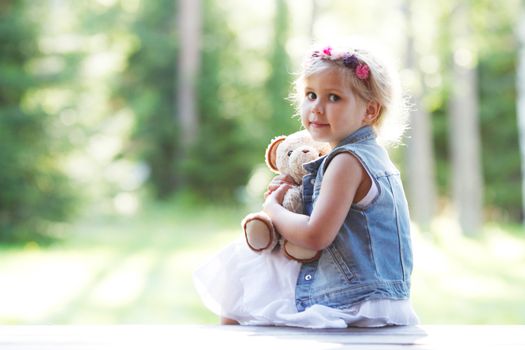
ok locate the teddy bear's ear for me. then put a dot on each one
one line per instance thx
(271, 153)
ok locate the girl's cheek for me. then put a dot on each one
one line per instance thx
(303, 120)
(305, 108)
(304, 113)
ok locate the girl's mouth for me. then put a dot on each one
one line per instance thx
(318, 125)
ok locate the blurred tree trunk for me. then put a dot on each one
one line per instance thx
(188, 69)
(420, 155)
(467, 179)
(521, 99)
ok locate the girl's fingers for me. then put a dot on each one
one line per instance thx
(273, 187)
(270, 190)
(280, 192)
(277, 182)
(288, 179)
(281, 179)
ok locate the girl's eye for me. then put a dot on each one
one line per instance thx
(311, 96)
(334, 98)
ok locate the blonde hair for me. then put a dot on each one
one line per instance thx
(381, 85)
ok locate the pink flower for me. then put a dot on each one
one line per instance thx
(362, 71)
(327, 51)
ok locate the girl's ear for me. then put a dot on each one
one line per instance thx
(373, 109)
(271, 153)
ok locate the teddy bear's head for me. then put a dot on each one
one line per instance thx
(287, 154)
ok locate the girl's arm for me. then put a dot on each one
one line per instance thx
(341, 181)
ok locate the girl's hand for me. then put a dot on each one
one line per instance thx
(275, 198)
(278, 181)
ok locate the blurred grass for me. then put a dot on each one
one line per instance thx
(476, 280)
(121, 269)
(116, 269)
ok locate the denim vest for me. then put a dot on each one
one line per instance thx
(371, 256)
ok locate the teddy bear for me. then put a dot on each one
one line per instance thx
(285, 155)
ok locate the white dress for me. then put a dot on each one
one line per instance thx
(259, 289)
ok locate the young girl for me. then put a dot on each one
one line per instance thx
(359, 219)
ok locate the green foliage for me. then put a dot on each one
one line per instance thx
(221, 160)
(496, 47)
(222, 157)
(227, 149)
(501, 160)
(441, 148)
(437, 103)
(35, 193)
(279, 82)
(147, 86)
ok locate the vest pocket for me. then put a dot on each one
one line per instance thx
(340, 264)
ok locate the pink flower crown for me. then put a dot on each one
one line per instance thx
(349, 60)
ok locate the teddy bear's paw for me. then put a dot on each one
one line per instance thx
(300, 254)
(259, 234)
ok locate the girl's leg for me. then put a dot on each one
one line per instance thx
(228, 321)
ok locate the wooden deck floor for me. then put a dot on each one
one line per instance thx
(253, 338)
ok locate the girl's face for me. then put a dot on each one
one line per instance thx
(330, 110)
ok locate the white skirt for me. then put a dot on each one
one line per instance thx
(259, 289)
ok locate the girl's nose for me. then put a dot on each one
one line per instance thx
(317, 108)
